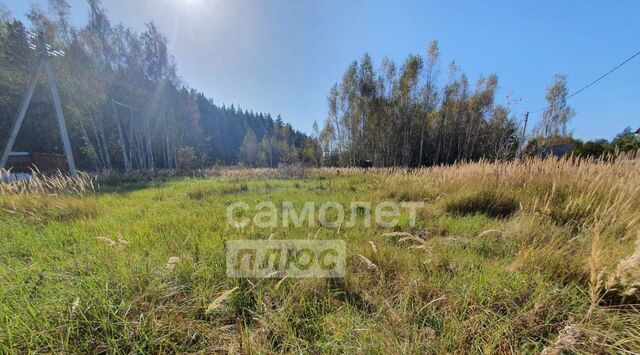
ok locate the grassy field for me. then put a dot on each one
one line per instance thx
(504, 258)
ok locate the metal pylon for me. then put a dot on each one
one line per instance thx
(43, 63)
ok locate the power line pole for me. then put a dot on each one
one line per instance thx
(46, 52)
(524, 132)
(57, 103)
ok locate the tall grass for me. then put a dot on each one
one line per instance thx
(577, 223)
(43, 198)
(39, 183)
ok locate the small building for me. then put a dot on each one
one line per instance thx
(366, 164)
(556, 150)
(25, 162)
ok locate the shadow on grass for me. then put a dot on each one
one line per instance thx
(125, 186)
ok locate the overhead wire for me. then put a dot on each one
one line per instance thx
(594, 81)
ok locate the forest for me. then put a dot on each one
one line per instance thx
(125, 106)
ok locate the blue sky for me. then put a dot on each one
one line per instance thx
(282, 56)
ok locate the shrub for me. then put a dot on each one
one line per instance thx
(186, 159)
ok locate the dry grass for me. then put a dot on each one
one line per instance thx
(576, 222)
(41, 184)
(44, 198)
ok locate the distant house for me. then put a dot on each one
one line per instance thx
(367, 164)
(556, 150)
(24, 162)
(635, 156)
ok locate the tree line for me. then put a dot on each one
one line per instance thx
(125, 106)
(400, 116)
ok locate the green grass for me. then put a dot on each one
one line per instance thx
(65, 288)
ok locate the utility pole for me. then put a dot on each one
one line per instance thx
(524, 132)
(46, 52)
(271, 152)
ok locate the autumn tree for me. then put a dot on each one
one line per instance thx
(557, 114)
(400, 116)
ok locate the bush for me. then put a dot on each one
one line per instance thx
(186, 159)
